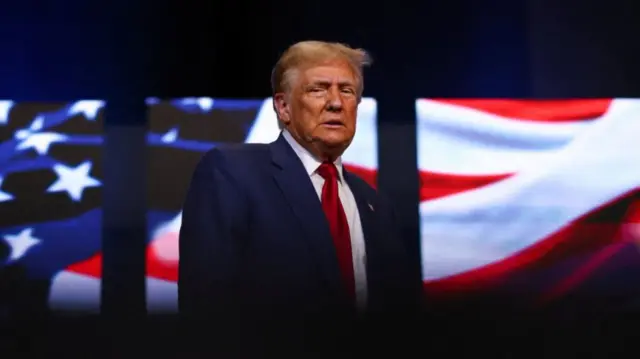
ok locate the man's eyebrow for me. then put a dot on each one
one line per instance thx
(327, 82)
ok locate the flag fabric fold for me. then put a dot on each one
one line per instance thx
(512, 186)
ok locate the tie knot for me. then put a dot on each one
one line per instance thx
(328, 171)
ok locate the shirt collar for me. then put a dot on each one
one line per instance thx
(310, 162)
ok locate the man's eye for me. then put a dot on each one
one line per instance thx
(317, 91)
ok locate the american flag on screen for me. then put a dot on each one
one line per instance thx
(50, 195)
(181, 130)
(512, 189)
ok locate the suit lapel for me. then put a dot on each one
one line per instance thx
(366, 208)
(374, 245)
(295, 184)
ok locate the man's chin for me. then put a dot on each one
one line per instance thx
(332, 141)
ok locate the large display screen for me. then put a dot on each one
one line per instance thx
(535, 198)
(180, 132)
(50, 195)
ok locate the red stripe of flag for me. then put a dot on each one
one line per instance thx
(91, 267)
(432, 184)
(537, 110)
(436, 185)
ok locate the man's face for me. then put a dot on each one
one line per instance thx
(321, 108)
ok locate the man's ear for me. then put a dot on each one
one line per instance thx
(281, 106)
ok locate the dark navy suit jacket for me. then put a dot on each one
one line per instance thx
(256, 251)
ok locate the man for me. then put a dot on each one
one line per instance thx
(280, 236)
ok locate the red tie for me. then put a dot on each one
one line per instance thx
(338, 225)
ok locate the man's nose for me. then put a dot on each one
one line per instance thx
(334, 100)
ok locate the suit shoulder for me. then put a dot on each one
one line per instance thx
(236, 154)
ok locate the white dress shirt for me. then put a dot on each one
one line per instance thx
(311, 164)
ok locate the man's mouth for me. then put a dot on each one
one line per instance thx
(333, 123)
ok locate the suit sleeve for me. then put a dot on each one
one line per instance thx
(210, 242)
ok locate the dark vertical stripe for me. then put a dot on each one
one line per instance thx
(124, 230)
(124, 227)
(124, 215)
(393, 86)
(124, 158)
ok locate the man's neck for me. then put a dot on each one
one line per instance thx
(314, 151)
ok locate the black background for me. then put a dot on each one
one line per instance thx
(124, 51)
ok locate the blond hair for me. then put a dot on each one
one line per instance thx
(309, 53)
(312, 53)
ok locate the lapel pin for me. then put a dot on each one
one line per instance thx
(370, 207)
